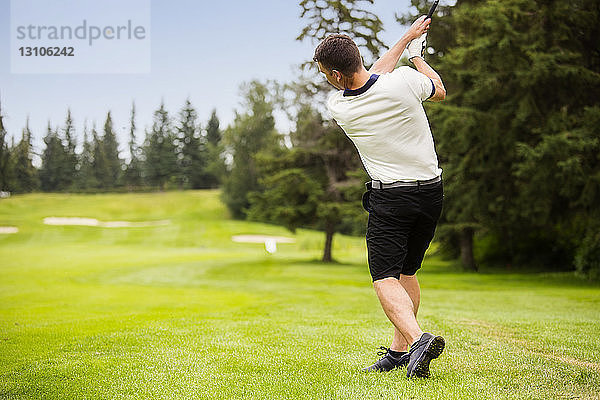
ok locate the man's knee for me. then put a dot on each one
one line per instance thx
(407, 277)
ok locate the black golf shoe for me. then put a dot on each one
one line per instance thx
(388, 362)
(421, 353)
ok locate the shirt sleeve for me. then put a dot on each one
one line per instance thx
(421, 85)
(332, 105)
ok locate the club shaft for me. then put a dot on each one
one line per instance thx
(432, 9)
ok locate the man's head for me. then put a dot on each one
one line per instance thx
(339, 59)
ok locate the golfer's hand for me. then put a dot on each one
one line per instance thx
(419, 27)
(416, 48)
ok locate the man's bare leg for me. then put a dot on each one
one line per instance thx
(398, 306)
(410, 283)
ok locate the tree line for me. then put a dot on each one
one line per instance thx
(309, 178)
(176, 153)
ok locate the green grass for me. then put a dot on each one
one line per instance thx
(182, 312)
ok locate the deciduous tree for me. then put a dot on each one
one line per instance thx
(252, 132)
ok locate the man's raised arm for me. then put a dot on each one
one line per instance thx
(387, 62)
(425, 69)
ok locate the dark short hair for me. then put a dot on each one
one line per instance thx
(339, 52)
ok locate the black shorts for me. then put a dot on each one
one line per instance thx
(402, 222)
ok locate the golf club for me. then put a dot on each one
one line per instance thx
(432, 9)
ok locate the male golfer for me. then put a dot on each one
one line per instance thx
(381, 111)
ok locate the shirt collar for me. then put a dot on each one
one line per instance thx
(363, 88)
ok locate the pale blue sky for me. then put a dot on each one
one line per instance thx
(201, 49)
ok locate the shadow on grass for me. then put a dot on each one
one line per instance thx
(317, 262)
(436, 264)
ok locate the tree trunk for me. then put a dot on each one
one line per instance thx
(466, 249)
(329, 231)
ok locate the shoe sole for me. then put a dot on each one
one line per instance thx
(375, 369)
(369, 369)
(434, 349)
(403, 362)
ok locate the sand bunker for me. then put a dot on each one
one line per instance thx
(76, 221)
(71, 221)
(127, 224)
(5, 230)
(269, 241)
(262, 239)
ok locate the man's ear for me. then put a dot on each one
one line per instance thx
(338, 75)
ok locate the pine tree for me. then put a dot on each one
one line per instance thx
(100, 163)
(132, 176)
(69, 145)
(25, 174)
(214, 170)
(5, 161)
(110, 149)
(213, 131)
(85, 178)
(52, 173)
(316, 184)
(321, 149)
(353, 17)
(191, 155)
(160, 164)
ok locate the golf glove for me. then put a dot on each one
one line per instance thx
(416, 47)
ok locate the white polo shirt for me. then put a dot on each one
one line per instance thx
(387, 123)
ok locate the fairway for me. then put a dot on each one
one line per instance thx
(180, 311)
